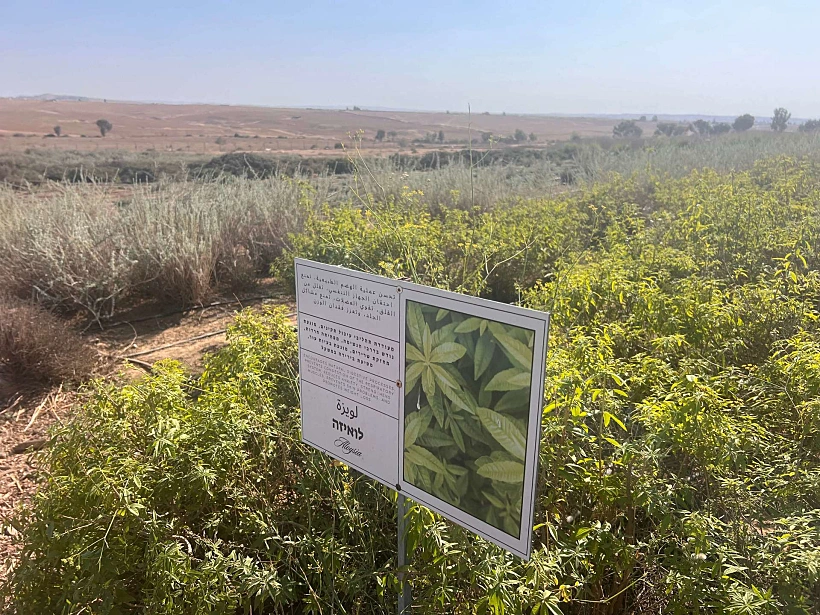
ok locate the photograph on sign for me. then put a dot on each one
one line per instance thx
(471, 412)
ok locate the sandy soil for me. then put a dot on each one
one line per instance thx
(146, 332)
(195, 128)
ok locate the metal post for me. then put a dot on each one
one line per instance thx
(405, 598)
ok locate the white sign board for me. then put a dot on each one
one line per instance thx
(430, 392)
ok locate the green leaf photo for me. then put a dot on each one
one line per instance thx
(467, 394)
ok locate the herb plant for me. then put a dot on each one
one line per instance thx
(468, 384)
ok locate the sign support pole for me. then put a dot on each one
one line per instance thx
(405, 598)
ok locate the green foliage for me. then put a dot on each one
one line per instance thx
(673, 129)
(743, 122)
(627, 129)
(809, 126)
(702, 127)
(163, 497)
(467, 391)
(719, 128)
(479, 253)
(780, 119)
(105, 126)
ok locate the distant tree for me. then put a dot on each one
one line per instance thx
(809, 126)
(380, 135)
(575, 137)
(780, 120)
(486, 136)
(671, 129)
(665, 128)
(533, 137)
(392, 135)
(58, 130)
(719, 128)
(519, 135)
(627, 129)
(105, 126)
(642, 118)
(441, 136)
(743, 122)
(355, 108)
(702, 127)
(654, 118)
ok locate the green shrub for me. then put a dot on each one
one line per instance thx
(479, 253)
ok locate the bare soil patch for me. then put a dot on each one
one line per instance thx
(213, 129)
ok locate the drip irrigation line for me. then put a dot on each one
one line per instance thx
(122, 323)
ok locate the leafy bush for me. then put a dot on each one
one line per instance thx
(809, 126)
(743, 122)
(627, 128)
(479, 253)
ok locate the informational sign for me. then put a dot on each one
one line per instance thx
(433, 393)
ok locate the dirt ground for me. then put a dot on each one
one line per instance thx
(196, 128)
(146, 335)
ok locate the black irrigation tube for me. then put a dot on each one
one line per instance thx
(192, 309)
(181, 342)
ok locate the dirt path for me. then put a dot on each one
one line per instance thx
(148, 333)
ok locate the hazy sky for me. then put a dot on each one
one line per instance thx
(584, 56)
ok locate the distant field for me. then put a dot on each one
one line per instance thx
(196, 128)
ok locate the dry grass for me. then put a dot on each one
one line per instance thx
(38, 350)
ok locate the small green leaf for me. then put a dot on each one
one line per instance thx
(504, 431)
(441, 314)
(447, 353)
(509, 380)
(415, 322)
(515, 350)
(428, 382)
(411, 375)
(456, 433)
(424, 458)
(412, 353)
(426, 340)
(415, 425)
(513, 400)
(434, 438)
(437, 407)
(443, 376)
(469, 325)
(503, 471)
(461, 398)
(493, 499)
(608, 417)
(483, 355)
